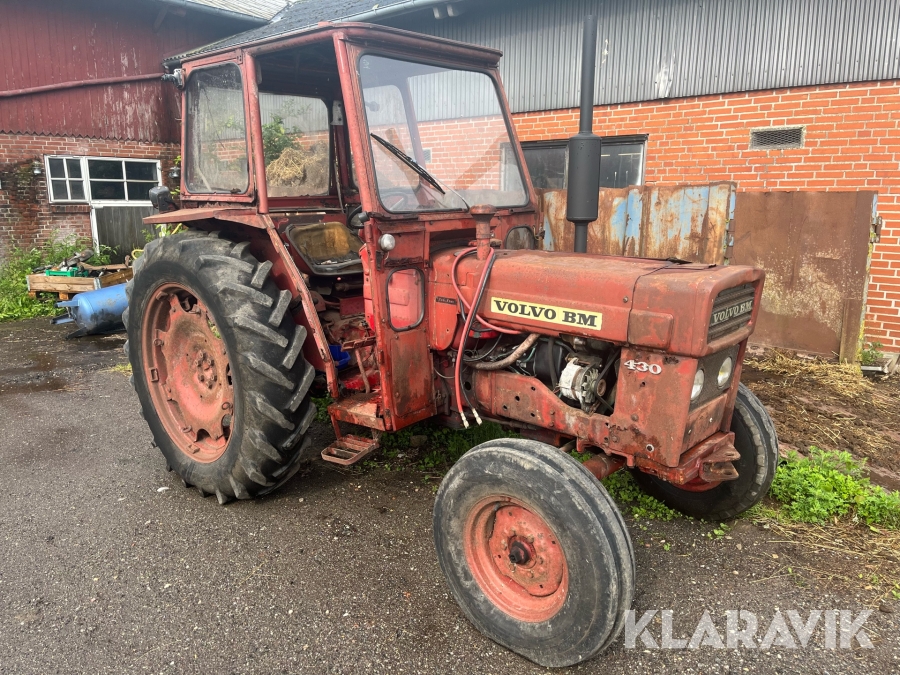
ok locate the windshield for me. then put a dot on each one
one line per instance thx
(438, 137)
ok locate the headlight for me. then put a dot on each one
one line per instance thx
(698, 385)
(386, 242)
(725, 371)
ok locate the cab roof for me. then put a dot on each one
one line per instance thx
(295, 25)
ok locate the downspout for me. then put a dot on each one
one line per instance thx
(224, 13)
(12, 93)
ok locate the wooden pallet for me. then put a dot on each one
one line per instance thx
(66, 287)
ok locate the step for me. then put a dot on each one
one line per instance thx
(361, 409)
(349, 449)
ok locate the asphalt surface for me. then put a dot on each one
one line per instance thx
(109, 565)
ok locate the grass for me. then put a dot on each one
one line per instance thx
(14, 300)
(121, 368)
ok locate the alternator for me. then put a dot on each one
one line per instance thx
(581, 382)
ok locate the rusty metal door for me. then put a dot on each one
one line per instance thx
(689, 222)
(815, 249)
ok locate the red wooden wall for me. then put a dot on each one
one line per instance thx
(52, 42)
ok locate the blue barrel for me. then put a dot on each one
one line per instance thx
(97, 311)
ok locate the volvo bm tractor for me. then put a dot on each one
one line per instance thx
(356, 214)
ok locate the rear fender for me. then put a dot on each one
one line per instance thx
(266, 243)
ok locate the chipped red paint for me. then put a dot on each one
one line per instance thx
(515, 559)
(188, 371)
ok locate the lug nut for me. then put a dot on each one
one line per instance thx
(226, 406)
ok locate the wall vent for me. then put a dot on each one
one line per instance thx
(776, 139)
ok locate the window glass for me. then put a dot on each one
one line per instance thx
(140, 171)
(216, 149)
(453, 114)
(296, 145)
(59, 189)
(621, 164)
(57, 167)
(107, 189)
(547, 166)
(99, 169)
(109, 179)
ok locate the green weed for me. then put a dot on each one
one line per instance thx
(828, 485)
(322, 404)
(630, 497)
(870, 355)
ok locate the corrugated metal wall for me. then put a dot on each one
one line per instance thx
(43, 42)
(652, 49)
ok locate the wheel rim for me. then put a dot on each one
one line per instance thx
(188, 373)
(699, 485)
(516, 559)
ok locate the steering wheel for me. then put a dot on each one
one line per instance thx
(398, 199)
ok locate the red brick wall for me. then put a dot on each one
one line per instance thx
(27, 218)
(852, 142)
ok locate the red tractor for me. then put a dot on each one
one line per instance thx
(358, 213)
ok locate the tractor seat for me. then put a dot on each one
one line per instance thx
(328, 249)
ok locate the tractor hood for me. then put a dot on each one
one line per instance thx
(655, 304)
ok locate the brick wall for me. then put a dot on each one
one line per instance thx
(852, 142)
(27, 218)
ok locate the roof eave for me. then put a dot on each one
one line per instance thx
(224, 13)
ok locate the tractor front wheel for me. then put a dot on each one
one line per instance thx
(534, 550)
(218, 365)
(756, 441)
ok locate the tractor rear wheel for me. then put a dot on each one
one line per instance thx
(534, 550)
(756, 441)
(217, 365)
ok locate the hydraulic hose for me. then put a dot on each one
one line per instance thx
(482, 282)
(468, 308)
(509, 360)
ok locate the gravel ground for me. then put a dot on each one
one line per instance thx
(108, 565)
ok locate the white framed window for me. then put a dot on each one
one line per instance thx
(101, 179)
(621, 162)
(65, 179)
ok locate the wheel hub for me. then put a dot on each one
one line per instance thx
(188, 373)
(516, 559)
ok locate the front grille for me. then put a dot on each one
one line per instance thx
(731, 310)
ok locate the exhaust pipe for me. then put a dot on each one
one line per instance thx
(584, 147)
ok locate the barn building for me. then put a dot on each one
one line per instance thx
(86, 125)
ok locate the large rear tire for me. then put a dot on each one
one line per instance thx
(218, 366)
(756, 441)
(534, 550)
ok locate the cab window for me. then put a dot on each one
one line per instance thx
(216, 137)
